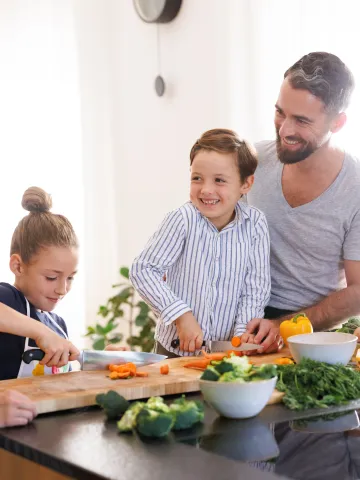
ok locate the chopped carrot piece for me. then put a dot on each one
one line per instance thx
(164, 369)
(124, 374)
(141, 374)
(112, 368)
(236, 342)
(114, 375)
(283, 361)
(214, 356)
(198, 364)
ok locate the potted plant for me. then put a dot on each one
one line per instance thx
(127, 305)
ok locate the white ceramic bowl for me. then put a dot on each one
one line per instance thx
(329, 347)
(238, 400)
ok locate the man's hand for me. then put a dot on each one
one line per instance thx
(265, 333)
(189, 332)
(15, 409)
(58, 350)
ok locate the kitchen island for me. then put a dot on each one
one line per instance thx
(276, 444)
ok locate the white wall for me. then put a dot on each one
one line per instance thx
(153, 136)
(223, 63)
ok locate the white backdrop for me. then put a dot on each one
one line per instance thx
(79, 115)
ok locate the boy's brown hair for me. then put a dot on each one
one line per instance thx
(40, 228)
(222, 140)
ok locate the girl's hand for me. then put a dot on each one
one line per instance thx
(58, 350)
(15, 409)
(189, 332)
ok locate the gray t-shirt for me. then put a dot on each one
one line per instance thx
(308, 243)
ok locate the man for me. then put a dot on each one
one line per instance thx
(309, 191)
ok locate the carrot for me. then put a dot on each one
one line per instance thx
(141, 374)
(283, 361)
(164, 369)
(114, 375)
(198, 364)
(124, 374)
(112, 367)
(214, 356)
(234, 352)
(236, 342)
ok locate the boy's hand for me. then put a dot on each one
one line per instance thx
(15, 409)
(264, 332)
(189, 332)
(58, 350)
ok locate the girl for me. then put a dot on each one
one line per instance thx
(214, 251)
(15, 408)
(43, 258)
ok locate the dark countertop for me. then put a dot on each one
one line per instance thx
(82, 445)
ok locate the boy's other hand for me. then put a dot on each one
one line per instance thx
(189, 332)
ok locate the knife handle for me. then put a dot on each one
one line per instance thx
(176, 342)
(33, 354)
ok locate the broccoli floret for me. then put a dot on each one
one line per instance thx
(157, 404)
(240, 363)
(128, 421)
(186, 412)
(113, 404)
(151, 423)
(210, 374)
(224, 366)
(263, 372)
(232, 377)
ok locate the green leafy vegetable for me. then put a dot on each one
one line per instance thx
(113, 404)
(350, 326)
(186, 413)
(237, 369)
(312, 384)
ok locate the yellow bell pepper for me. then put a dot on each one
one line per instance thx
(299, 324)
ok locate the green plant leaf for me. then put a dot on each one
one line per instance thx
(99, 344)
(99, 329)
(124, 272)
(110, 326)
(90, 331)
(122, 296)
(116, 339)
(140, 320)
(103, 311)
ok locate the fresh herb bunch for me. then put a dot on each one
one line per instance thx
(350, 326)
(312, 384)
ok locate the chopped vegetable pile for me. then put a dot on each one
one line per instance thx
(237, 369)
(312, 384)
(153, 418)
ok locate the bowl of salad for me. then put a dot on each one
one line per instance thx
(237, 389)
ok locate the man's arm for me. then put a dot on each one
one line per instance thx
(327, 314)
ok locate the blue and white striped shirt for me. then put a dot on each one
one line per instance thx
(222, 277)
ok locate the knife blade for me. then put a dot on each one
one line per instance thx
(221, 346)
(100, 359)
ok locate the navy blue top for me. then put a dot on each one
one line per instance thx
(12, 346)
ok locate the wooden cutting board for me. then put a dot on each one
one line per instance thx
(53, 393)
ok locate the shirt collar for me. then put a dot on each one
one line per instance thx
(241, 215)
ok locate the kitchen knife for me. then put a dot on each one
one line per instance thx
(221, 346)
(100, 359)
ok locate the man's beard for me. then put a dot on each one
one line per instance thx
(289, 157)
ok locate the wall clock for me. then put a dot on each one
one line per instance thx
(157, 11)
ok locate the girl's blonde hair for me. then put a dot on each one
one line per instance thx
(40, 228)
